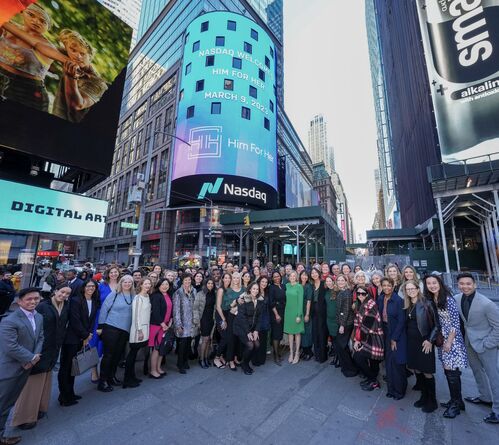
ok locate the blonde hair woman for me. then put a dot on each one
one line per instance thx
(392, 271)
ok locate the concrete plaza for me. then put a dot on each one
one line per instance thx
(307, 403)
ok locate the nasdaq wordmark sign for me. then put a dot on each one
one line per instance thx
(227, 114)
(461, 42)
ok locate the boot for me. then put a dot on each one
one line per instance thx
(431, 400)
(419, 385)
(420, 382)
(456, 401)
(275, 348)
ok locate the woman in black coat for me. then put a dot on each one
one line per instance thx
(277, 303)
(319, 317)
(83, 309)
(34, 399)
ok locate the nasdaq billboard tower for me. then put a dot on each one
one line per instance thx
(226, 146)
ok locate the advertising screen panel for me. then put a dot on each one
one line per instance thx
(34, 209)
(461, 42)
(226, 149)
(61, 80)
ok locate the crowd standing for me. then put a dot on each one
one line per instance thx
(380, 325)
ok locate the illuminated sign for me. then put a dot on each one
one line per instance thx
(35, 209)
(227, 114)
(461, 42)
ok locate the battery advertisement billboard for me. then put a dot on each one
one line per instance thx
(226, 146)
(461, 42)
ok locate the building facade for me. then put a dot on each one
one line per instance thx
(407, 138)
(149, 109)
(318, 146)
(324, 187)
(128, 11)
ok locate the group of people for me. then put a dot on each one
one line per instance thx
(228, 317)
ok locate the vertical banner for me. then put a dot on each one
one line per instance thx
(461, 43)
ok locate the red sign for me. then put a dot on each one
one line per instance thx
(51, 253)
(343, 230)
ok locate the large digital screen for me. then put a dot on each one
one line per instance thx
(61, 80)
(226, 146)
(461, 42)
(34, 209)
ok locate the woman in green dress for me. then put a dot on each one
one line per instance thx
(332, 324)
(293, 316)
(306, 338)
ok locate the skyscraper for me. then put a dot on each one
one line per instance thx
(128, 11)
(318, 146)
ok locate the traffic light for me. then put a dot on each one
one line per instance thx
(246, 221)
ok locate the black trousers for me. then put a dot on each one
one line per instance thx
(183, 351)
(368, 366)
(228, 341)
(130, 361)
(64, 378)
(249, 348)
(114, 341)
(396, 374)
(319, 335)
(260, 355)
(348, 367)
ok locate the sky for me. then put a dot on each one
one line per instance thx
(327, 71)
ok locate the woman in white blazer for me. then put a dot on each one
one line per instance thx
(139, 331)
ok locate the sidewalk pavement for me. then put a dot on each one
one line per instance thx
(307, 403)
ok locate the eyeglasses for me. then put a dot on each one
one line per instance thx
(361, 293)
(411, 289)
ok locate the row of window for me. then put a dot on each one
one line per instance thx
(152, 221)
(237, 63)
(216, 108)
(231, 26)
(220, 41)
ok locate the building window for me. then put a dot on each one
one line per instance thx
(228, 84)
(216, 107)
(261, 74)
(190, 111)
(248, 47)
(188, 68)
(220, 41)
(271, 52)
(196, 46)
(205, 26)
(186, 37)
(231, 25)
(254, 34)
(267, 62)
(210, 60)
(237, 63)
(271, 106)
(181, 95)
(245, 113)
(253, 92)
(200, 85)
(266, 123)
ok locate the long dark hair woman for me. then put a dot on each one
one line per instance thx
(33, 402)
(422, 327)
(260, 355)
(344, 319)
(319, 316)
(83, 309)
(277, 300)
(306, 337)
(222, 307)
(204, 304)
(452, 354)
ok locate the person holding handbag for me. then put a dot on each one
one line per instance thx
(422, 328)
(139, 331)
(452, 353)
(293, 316)
(83, 309)
(115, 321)
(161, 322)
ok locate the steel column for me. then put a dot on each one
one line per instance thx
(485, 250)
(492, 248)
(297, 244)
(456, 251)
(442, 231)
(240, 248)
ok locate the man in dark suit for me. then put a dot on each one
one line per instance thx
(74, 282)
(21, 342)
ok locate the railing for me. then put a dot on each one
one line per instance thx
(466, 167)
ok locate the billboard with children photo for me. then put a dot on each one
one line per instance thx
(59, 56)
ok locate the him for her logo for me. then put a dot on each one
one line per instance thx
(208, 187)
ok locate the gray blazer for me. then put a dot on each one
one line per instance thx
(482, 326)
(18, 343)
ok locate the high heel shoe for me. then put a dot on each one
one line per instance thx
(202, 364)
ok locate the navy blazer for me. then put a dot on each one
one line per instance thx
(81, 323)
(396, 327)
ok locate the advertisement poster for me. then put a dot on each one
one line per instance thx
(226, 125)
(461, 43)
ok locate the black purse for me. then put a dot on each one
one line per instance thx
(164, 344)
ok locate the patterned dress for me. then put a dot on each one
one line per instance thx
(449, 320)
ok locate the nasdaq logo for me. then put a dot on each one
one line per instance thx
(205, 142)
(208, 187)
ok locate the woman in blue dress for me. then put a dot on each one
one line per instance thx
(108, 284)
(452, 353)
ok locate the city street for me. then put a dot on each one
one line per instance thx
(301, 404)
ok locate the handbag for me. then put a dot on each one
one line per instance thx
(164, 344)
(84, 360)
(439, 337)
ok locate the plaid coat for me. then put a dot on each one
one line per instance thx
(369, 330)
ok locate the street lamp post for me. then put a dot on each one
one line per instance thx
(142, 210)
